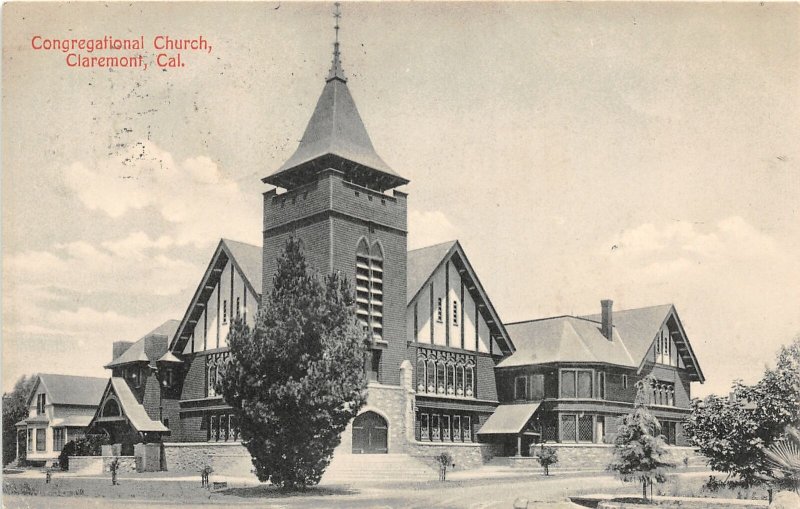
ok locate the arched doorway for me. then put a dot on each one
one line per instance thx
(370, 434)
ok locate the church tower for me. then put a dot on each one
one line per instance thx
(337, 201)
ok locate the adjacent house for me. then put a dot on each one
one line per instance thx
(573, 377)
(60, 408)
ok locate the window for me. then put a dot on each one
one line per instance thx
(369, 288)
(111, 408)
(669, 431)
(455, 313)
(440, 381)
(424, 427)
(624, 381)
(224, 312)
(568, 428)
(435, 435)
(459, 380)
(421, 386)
(58, 439)
(520, 388)
(212, 381)
(469, 382)
(430, 375)
(467, 423)
(30, 440)
(445, 428)
(40, 439)
(576, 383)
(601, 385)
(238, 308)
(537, 387)
(439, 310)
(585, 425)
(215, 428)
(41, 400)
(456, 428)
(451, 379)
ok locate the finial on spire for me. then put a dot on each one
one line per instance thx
(336, 71)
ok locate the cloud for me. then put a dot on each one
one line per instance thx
(737, 289)
(197, 201)
(428, 228)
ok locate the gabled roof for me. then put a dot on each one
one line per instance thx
(132, 410)
(69, 389)
(336, 130)
(421, 265)
(137, 351)
(246, 258)
(580, 339)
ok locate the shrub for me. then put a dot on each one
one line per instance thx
(88, 446)
(546, 456)
(443, 460)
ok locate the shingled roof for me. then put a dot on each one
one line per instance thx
(138, 351)
(580, 339)
(70, 390)
(335, 137)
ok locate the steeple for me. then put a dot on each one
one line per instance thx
(336, 72)
(335, 137)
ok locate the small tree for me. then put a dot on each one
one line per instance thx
(443, 460)
(15, 408)
(546, 456)
(784, 458)
(297, 378)
(639, 448)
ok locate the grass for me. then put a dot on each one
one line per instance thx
(695, 487)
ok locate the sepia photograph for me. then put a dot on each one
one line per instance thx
(401, 254)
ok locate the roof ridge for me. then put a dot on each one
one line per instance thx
(225, 239)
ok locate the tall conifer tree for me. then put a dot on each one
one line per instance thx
(297, 378)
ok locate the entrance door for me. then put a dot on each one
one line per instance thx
(369, 434)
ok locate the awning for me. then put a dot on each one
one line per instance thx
(508, 419)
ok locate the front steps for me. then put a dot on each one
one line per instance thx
(377, 468)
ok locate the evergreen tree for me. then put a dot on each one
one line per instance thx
(297, 378)
(15, 408)
(639, 447)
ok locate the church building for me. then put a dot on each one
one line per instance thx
(444, 372)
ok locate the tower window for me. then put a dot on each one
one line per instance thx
(369, 288)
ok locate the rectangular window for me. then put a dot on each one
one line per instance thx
(215, 428)
(40, 439)
(537, 387)
(30, 440)
(58, 439)
(238, 308)
(40, 403)
(455, 313)
(224, 312)
(439, 310)
(456, 428)
(446, 428)
(601, 385)
(424, 427)
(568, 388)
(466, 422)
(585, 384)
(435, 432)
(585, 428)
(624, 381)
(234, 425)
(569, 432)
(520, 386)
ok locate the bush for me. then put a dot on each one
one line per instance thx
(547, 456)
(89, 446)
(443, 460)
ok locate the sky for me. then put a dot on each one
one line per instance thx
(642, 152)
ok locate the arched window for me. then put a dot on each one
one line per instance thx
(469, 382)
(369, 288)
(430, 375)
(111, 409)
(421, 375)
(451, 379)
(459, 380)
(212, 380)
(440, 377)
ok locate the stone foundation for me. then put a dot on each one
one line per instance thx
(598, 456)
(465, 456)
(101, 464)
(226, 458)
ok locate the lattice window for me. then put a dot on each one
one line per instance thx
(446, 428)
(456, 428)
(459, 380)
(435, 432)
(568, 428)
(585, 428)
(424, 427)
(467, 426)
(469, 382)
(214, 366)
(451, 379)
(421, 375)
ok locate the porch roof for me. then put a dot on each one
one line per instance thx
(508, 419)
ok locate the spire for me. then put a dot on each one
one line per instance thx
(336, 71)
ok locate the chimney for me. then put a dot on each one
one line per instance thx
(154, 347)
(119, 348)
(607, 318)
